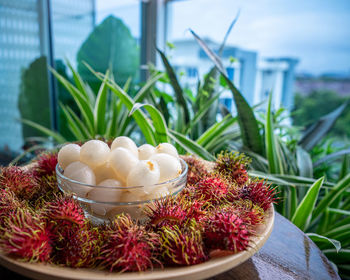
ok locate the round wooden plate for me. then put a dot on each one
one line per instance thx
(200, 271)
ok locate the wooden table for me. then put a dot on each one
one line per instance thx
(288, 254)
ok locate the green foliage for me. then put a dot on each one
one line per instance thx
(109, 46)
(33, 101)
(308, 109)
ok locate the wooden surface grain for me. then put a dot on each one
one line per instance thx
(288, 254)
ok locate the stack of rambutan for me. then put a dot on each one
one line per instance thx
(215, 213)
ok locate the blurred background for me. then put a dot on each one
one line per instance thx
(298, 49)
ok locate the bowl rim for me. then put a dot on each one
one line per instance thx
(183, 174)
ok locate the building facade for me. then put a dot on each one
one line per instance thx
(255, 77)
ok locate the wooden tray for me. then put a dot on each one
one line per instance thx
(200, 271)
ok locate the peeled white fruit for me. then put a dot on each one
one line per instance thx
(122, 161)
(82, 173)
(133, 195)
(146, 151)
(144, 173)
(167, 148)
(104, 172)
(110, 183)
(169, 166)
(107, 194)
(94, 153)
(125, 142)
(158, 192)
(68, 154)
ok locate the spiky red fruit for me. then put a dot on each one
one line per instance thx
(167, 212)
(250, 213)
(26, 237)
(64, 215)
(226, 231)
(79, 248)
(128, 247)
(20, 181)
(182, 246)
(45, 165)
(8, 202)
(260, 193)
(233, 166)
(196, 169)
(213, 189)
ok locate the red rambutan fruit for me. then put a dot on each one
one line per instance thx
(167, 211)
(8, 203)
(26, 236)
(79, 248)
(260, 193)
(250, 213)
(45, 165)
(64, 215)
(20, 181)
(128, 247)
(212, 189)
(182, 246)
(196, 169)
(224, 230)
(233, 166)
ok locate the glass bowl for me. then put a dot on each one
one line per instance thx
(116, 200)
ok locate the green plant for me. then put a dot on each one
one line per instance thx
(320, 208)
(109, 46)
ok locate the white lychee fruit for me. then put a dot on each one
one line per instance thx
(146, 151)
(122, 161)
(94, 153)
(144, 173)
(82, 173)
(104, 171)
(169, 166)
(125, 142)
(68, 154)
(167, 148)
(109, 192)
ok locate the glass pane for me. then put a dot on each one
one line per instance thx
(23, 74)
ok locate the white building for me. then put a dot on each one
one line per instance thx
(254, 76)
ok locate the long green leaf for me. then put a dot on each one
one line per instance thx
(201, 112)
(101, 106)
(249, 126)
(72, 124)
(157, 119)
(82, 87)
(58, 137)
(175, 85)
(213, 131)
(81, 100)
(318, 130)
(323, 239)
(190, 146)
(343, 256)
(272, 152)
(302, 215)
(304, 163)
(139, 116)
(84, 130)
(332, 157)
(327, 200)
(146, 87)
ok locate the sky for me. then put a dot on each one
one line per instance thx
(317, 32)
